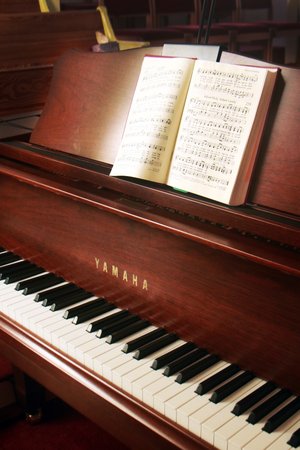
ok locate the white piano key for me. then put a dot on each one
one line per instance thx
(47, 330)
(111, 367)
(233, 426)
(222, 411)
(125, 374)
(62, 337)
(104, 363)
(38, 323)
(263, 440)
(151, 376)
(153, 389)
(12, 305)
(163, 397)
(107, 355)
(8, 301)
(109, 364)
(90, 355)
(189, 408)
(22, 313)
(225, 432)
(82, 348)
(143, 369)
(282, 442)
(239, 440)
(86, 338)
(28, 308)
(103, 355)
(173, 404)
(6, 288)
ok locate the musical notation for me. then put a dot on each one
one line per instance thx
(214, 125)
(152, 115)
(190, 124)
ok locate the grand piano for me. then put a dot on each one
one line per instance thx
(202, 297)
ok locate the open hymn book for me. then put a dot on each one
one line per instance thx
(196, 126)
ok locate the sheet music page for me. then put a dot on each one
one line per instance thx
(153, 119)
(215, 128)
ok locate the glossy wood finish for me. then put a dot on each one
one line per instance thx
(226, 278)
(83, 103)
(19, 6)
(29, 45)
(41, 38)
(24, 89)
(101, 119)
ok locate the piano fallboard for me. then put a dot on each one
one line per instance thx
(90, 238)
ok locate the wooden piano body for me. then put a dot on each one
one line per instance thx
(30, 43)
(225, 278)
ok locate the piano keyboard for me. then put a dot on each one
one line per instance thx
(226, 406)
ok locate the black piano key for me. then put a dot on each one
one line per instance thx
(157, 344)
(268, 405)
(294, 441)
(92, 313)
(70, 299)
(97, 324)
(231, 386)
(55, 292)
(172, 355)
(217, 378)
(282, 415)
(8, 257)
(196, 368)
(127, 331)
(22, 274)
(8, 269)
(38, 283)
(49, 301)
(247, 402)
(134, 344)
(184, 361)
(119, 325)
(77, 310)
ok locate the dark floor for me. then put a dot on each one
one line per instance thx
(62, 428)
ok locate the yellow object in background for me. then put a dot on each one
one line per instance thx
(47, 6)
(110, 35)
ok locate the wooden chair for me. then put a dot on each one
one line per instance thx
(133, 20)
(30, 43)
(170, 12)
(19, 6)
(228, 30)
(130, 13)
(246, 37)
(263, 9)
(75, 5)
(227, 24)
(218, 35)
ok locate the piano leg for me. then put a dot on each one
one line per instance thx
(34, 399)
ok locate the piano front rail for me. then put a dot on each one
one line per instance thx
(117, 412)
